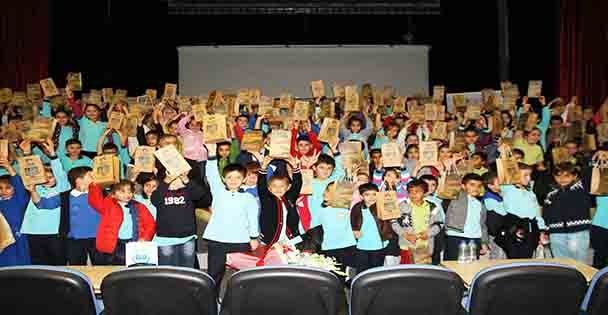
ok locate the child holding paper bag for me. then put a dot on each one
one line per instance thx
(372, 234)
(13, 200)
(419, 223)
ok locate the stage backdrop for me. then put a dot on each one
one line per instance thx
(277, 69)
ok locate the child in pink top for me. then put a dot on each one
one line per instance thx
(192, 137)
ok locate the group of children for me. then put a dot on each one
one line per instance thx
(255, 200)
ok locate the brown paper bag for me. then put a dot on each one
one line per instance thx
(434, 112)
(602, 133)
(599, 179)
(327, 110)
(508, 170)
(19, 99)
(74, 80)
(6, 234)
(342, 194)
(39, 130)
(473, 111)
(115, 120)
(285, 100)
(199, 111)
(253, 141)
(106, 169)
(144, 159)
(152, 93)
(255, 95)
(307, 178)
(352, 103)
(351, 155)
(215, 101)
(387, 205)
(439, 131)
(106, 93)
(589, 143)
(318, 88)
(280, 144)
(391, 155)
(428, 153)
(31, 170)
(170, 91)
(535, 89)
(6, 95)
(399, 105)
(560, 155)
(265, 106)
(34, 93)
(131, 124)
(457, 142)
(438, 94)
(330, 129)
(301, 110)
(339, 91)
(172, 160)
(214, 128)
(417, 113)
(49, 88)
(4, 150)
(575, 114)
(450, 185)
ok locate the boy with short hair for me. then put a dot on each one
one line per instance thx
(521, 203)
(279, 219)
(419, 223)
(493, 201)
(78, 221)
(479, 160)
(13, 200)
(231, 208)
(466, 219)
(327, 169)
(567, 214)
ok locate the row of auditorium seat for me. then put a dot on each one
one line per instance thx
(530, 288)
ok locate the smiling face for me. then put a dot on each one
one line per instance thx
(472, 188)
(563, 179)
(323, 170)
(62, 118)
(355, 126)
(92, 113)
(416, 195)
(278, 187)
(369, 197)
(150, 187)
(123, 194)
(234, 180)
(304, 147)
(6, 190)
(74, 150)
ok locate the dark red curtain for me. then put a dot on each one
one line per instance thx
(584, 50)
(24, 42)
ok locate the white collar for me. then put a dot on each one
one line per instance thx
(77, 193)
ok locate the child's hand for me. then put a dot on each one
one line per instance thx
(30, 188)
(357, 234)
(26, 147)
(49, 147)
(423, 236)
(254, 244)
(267, 160)
(411, 238)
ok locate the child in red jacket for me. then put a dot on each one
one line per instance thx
(123, 220)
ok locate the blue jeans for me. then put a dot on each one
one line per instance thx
(571, 245)
(181, 255)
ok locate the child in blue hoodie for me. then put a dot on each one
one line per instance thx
(42, 225)
(233, 226)
(13, 200)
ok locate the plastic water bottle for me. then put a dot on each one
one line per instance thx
(462, 253)
(472, 251)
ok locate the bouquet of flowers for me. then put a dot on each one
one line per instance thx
(282, 254)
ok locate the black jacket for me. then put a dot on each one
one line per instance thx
(567, 209)
(175, 209)
(271, 215)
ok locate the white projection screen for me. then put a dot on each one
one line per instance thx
(280, 69)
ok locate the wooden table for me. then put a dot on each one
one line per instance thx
(468, 271)
(96, 274)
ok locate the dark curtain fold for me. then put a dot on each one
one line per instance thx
(584, 50)
(24, 42)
